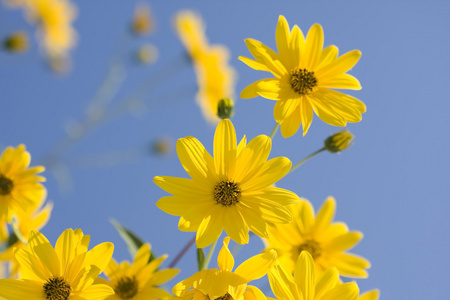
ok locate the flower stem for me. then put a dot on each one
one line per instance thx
(182, 252)
(274, 130)
(208, 258)
(305, 159)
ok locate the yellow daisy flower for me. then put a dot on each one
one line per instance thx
(223, 283)
(140, 280)
(304, 74)
(215, 76)
(232, 191)
(67, 271)
(306, 285)
(20, 190)
(327, 242)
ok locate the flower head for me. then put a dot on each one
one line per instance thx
(327, 242)
(17, 42)
(215, 76)
(305, 285)
(232, 191)
(20, 190)
(67, 271)
(139, 280)
(339, 141)
(304, 74)
(223, 283)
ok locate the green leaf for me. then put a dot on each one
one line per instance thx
(200, 259)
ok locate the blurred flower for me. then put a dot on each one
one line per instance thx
(142, 21)
(67, 271)
(370, 295)
(20, 190)
(324, 240)
(147, 54)
(25, 222)
(232, 191)
(215, 77)
(306, 285)
(16, 42)
(225, 284)
(162, 145)
(139, 280)
(304, 76)
(339, 141)
(54, 21)
(225, 108)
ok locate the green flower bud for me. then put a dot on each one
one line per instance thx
(339, 141)
(225, 108)
(16, 42)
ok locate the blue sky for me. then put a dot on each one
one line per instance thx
(392, 185)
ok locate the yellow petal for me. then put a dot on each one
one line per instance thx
(225, 260)
(329, 54)
(327, 112)
(270, 211)
(275, 194)
(140, 259)
(325, 216)
(306, 114)
(163, 276)
(371, 295)
(252, 158)
(305, 275)
(350, 265)
(345, 291)
(340, 65)
(180, 206)
(272, 171)
(33, 264)
(65, 247)
(225, 149)
(257, 266)
(210, 228)
(342, 81)
(282, 284)
(96, 291)
(282, 36)
(256, 65)
(255, 293)
(254, 221)
(313, 50)
(42, 248)
(284, 108)
(17, 289)
(297, 46)
(234, 225)
(327, 281)
(291, 124)
(182, 187)
(267, 56)
(344, 242)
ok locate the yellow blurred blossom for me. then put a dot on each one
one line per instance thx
(142, 21)
(16, 42)
(305, 75)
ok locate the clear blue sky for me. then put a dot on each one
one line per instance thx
(393, 184)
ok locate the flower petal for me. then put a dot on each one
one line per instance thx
(284, 108)
(345, 291)
(257, 266)
(163, 276)
(313, 50)
(42, 248)
(100, 255)
(253, 220)
(225, 149)
(211, 227)
(306, 114)
(267, 56)
(234, 225)
(343, 81)
(96, 291)
(256, 65)
(324, 216)
(180, 206)
(282, 284)
(182, 187)
(252, 158)
(19, 289)
(225, 260)
(272, 171)
(32, 263)
(344, 242)
(327, 281)
(291, 124)
(305, 275)
(340, 65)
(350, 265)
(370, 295)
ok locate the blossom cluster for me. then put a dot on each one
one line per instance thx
(235, 189)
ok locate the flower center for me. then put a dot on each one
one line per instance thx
(6, 185)
(227, 193)
(56, 289)
(126, 287)
(225, 297)
(302, 81)
(312, 247)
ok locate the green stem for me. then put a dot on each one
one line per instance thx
(274, 130)
(305, 159)
(208, 258)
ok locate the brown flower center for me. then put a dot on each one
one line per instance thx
(227, 193)
(56, 289)
(225, 297)
(312, 247)
(302, 81)
(126, 287)
(6, 185)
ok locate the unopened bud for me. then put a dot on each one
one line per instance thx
(147, 54)
(16, 42)
(142, 22)
(339, 141)
(225, 108)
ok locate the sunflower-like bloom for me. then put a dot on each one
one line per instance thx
(306, 285)
(215, 76)
(327, 242)
(67, 271)
(304, 74)
(20, 190)
(140, 280)
(223, 283)
(232, 191)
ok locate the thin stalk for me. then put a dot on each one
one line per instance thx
(305, 159)
(274, 130)
(182, 253)
(208, 258)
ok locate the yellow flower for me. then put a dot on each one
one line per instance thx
(67, 271)
(223, 283)
(215, 76)
(327, 242)
(140, 280)
(20, 190)
(304, 74)
(339, 141)
(306, 285)
(232, 191)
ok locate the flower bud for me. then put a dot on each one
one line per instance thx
(339, 141)
(142, 22)
(16, 42)
(147, 54)
(225, 108)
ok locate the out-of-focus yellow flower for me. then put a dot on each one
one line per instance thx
(64, 272)
(304, 74)
(54, 21)
(139, 280)
(225, 284)
(25, 222)
(20, 190)
(215, 77)
(147, 54)
(16, 42)
(142, 21)
(232, 191)
(306, 285)
(339, 141)
(327, 242)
